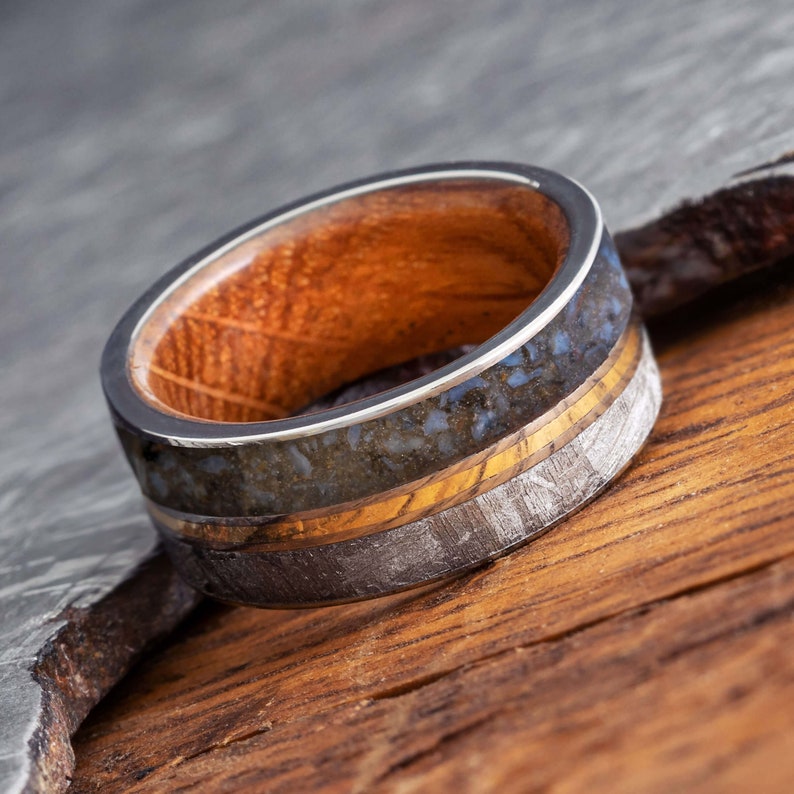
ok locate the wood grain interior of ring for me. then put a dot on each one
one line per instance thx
(350, 288)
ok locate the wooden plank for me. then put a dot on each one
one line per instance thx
(132, 134)
(643, 646)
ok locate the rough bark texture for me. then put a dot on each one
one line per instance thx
(736, 230)
(135, 133)
(95, 647)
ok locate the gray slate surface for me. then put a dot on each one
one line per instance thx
(132, 133)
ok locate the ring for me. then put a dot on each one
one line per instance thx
(262, 499)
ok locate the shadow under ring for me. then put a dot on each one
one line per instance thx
(260, 503)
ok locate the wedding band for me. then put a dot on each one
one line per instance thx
(259, 503)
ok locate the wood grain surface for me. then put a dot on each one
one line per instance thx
(134, 133)
(645, 645)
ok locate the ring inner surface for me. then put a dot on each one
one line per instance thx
(346, 289)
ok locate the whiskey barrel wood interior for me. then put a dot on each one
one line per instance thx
(325, 298)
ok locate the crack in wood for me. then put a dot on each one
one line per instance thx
(266, 727)
(413, 685)
(435, 747)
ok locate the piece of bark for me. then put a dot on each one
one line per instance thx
(133, 134)
(705, 243)
(95, 648)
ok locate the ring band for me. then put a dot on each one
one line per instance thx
(259, 503)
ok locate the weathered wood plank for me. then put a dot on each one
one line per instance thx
(644, 646)
(134, 133)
